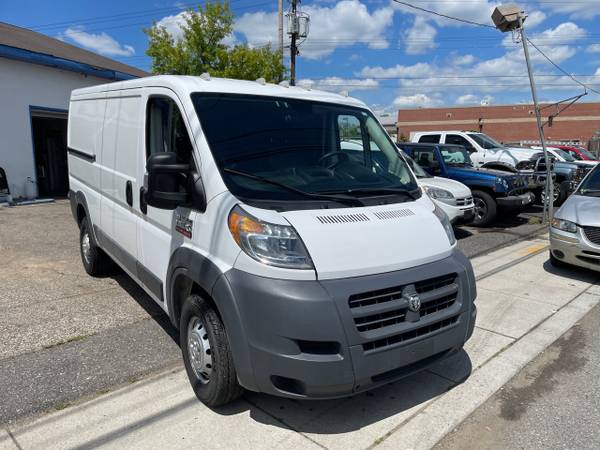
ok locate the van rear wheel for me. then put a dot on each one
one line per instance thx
(95, 262)
(206, 353)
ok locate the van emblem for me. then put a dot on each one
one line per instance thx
(413, 299)
(183, 225)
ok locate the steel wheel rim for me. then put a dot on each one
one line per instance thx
(86, 247)
(480, 208)
(199, 350)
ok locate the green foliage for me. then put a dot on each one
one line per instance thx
(201, 48)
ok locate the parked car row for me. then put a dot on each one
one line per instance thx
(494, 192)
(569, 166)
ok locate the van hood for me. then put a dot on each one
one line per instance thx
(353, 242)
(582, 210)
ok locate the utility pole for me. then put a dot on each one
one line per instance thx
(510, 18)
(280, 31)
(293, 48)
(549, 200)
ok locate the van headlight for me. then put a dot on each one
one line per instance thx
(564, 225)
(269, 243)
(443, 218)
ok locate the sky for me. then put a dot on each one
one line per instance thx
(384, 53)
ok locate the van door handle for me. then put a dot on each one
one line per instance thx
(143, 203)
(129, 193)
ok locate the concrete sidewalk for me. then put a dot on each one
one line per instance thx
(524, 305)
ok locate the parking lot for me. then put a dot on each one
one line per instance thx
(69, 338)
(68, 335)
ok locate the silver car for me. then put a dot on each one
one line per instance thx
(575, 231)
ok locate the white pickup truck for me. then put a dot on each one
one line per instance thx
(485, 151)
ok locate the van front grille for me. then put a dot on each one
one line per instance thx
(386, 307)
(412, 334)
(437, 305)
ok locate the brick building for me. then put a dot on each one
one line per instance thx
(508, 124)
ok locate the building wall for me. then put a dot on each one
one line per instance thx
(23, 85)
(516, 123)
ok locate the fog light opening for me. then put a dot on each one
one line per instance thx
(558, 254)
(290, 385)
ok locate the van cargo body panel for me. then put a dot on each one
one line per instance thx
(309, 332)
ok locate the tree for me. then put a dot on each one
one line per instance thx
(201, 49)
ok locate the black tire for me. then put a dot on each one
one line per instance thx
(485, 209)
(560, 198)
(219, 386)
(95, 262)
(557, 262)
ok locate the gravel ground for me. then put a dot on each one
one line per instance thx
(553, 403)
(66, 335)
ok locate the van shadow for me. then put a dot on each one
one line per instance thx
(146, 302)
(354, 413)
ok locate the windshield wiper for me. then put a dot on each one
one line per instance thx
(350, 201)
(375, 191)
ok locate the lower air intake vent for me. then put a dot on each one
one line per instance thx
(394, 214)
(344, 218)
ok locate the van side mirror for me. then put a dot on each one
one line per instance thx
(167, 181)
(434, 167)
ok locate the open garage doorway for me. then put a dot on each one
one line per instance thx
(49, 131)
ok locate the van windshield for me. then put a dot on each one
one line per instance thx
(280, 149)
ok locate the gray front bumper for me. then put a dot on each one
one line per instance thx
(302, 338)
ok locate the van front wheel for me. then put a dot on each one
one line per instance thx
(206, 353)
(95, 262)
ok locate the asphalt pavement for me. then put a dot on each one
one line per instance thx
(553, 403)
(67, 335)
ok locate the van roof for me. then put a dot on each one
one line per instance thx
(184, 85)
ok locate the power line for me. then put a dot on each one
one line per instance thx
(561, 69)
(435, 13)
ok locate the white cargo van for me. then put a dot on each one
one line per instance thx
(290, 265)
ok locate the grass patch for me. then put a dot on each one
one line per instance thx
(534, 221)
(61, 406)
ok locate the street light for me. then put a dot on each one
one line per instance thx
(511, 18)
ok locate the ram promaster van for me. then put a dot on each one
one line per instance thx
(290, 265)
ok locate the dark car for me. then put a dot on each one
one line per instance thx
(494, 191)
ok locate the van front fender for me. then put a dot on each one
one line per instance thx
(188, 268)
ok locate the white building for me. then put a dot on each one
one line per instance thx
(37, 74)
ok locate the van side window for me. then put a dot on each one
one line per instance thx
(430, 139)
(351, 139)
(166, 131)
